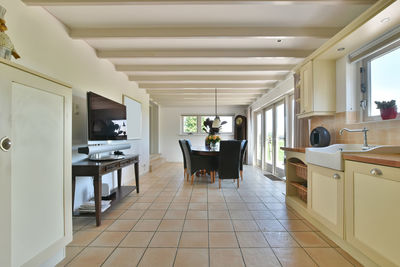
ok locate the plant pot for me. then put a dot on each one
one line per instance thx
(389, 113)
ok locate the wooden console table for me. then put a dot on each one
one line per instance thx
(97, 169)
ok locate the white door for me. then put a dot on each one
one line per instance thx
(35, 181)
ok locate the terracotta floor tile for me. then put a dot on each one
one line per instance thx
(262, 257)
(280, 240)
(251, 240)
(328, 257)
(146, 225)
(191, 257)
(171, 225)
(91, 257)
(131, 215)
(122, 225)
(284, 214)
(348, 257)
(295, 225)
(195, 225)
(245, 225)
(194, 240)
(240, 214)
(108, 239)
(309, 239)
(256, 206)
(137, 239)
(270, 226)
(83, 238)
(175, 214)
(112, 214)
(293, 257)
(92, 226)
(226, 257)
(140, 206)
(124, 257)
(327, 240)
(219, 214)
(220, 226)
(165, 239)
(154, 214)
(160, 257)
(159, 206)
(217, 206)
(223, 240)
(196, 214)
(198, 206)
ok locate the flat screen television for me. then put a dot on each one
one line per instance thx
(106, 118)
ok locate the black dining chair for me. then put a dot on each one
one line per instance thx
(242, 151)
(229, 160)
(196, 163)
(181, 142)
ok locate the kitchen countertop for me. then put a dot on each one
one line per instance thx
(294, 149)
(391, 160)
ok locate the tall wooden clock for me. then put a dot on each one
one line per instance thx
(240, 127)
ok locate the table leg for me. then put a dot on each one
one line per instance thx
(119, 172)
(73, 192)
(97, 197)
(137, 176)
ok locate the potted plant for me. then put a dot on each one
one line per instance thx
(388, 109)
(210, 130)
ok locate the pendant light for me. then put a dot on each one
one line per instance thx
(217, 121)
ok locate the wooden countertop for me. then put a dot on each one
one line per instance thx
(294, 149)
(391, 160)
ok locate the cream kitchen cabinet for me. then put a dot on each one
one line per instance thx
(326, 197)
(317, 88)
(372, 211)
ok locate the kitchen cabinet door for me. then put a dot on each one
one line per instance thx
(326, 196)
(372, 211)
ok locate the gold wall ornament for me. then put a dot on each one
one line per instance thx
(7, 48)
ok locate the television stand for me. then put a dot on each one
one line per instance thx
(95, 169)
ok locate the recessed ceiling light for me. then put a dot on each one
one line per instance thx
(340, 49)
(385, 20)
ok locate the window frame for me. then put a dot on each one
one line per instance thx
(200, 126)
(366, 82)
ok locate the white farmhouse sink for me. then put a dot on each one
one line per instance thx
(332, 156)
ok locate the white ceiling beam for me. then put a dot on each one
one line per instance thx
(206, 85)
(203, 32)
(236, 95)
(204, 67)
(221, 91)
(168, 2)
(157, 78)
(196, 53)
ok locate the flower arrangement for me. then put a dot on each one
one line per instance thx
(213, 139)
(388, 109)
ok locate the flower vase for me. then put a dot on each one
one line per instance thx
(214, 146)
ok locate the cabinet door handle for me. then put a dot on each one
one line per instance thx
(376, 172)
(336, 176)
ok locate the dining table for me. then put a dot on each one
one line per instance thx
(205, 151)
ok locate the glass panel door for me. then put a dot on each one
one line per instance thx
(259, 139)
(269, 131)
(280, 137)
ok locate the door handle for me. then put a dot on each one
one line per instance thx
(5, 144)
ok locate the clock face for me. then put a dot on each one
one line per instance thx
(239, 121)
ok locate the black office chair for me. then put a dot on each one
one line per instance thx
(185, 174)
(242, 151)
(229, 160)
(196, 163)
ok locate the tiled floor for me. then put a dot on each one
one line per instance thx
(171, 223)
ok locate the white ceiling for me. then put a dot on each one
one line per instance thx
(181, 50)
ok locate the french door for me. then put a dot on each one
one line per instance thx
(274, 138)
(259, 138)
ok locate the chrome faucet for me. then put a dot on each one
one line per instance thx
(364, 130)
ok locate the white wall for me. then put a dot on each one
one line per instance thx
(45, 46)
(347, 85)
(170, 128)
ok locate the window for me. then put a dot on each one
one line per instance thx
(194, 124)
(189, 124)
(381, 80)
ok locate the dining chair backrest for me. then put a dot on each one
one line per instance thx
(229, 159)
(181, 141)
(187, 155)
(242, 151)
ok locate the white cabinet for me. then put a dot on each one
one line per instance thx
(317, 88)
(326, 196)
(372, 211)
(35, 181)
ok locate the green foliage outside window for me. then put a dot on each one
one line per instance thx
(190, 124)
